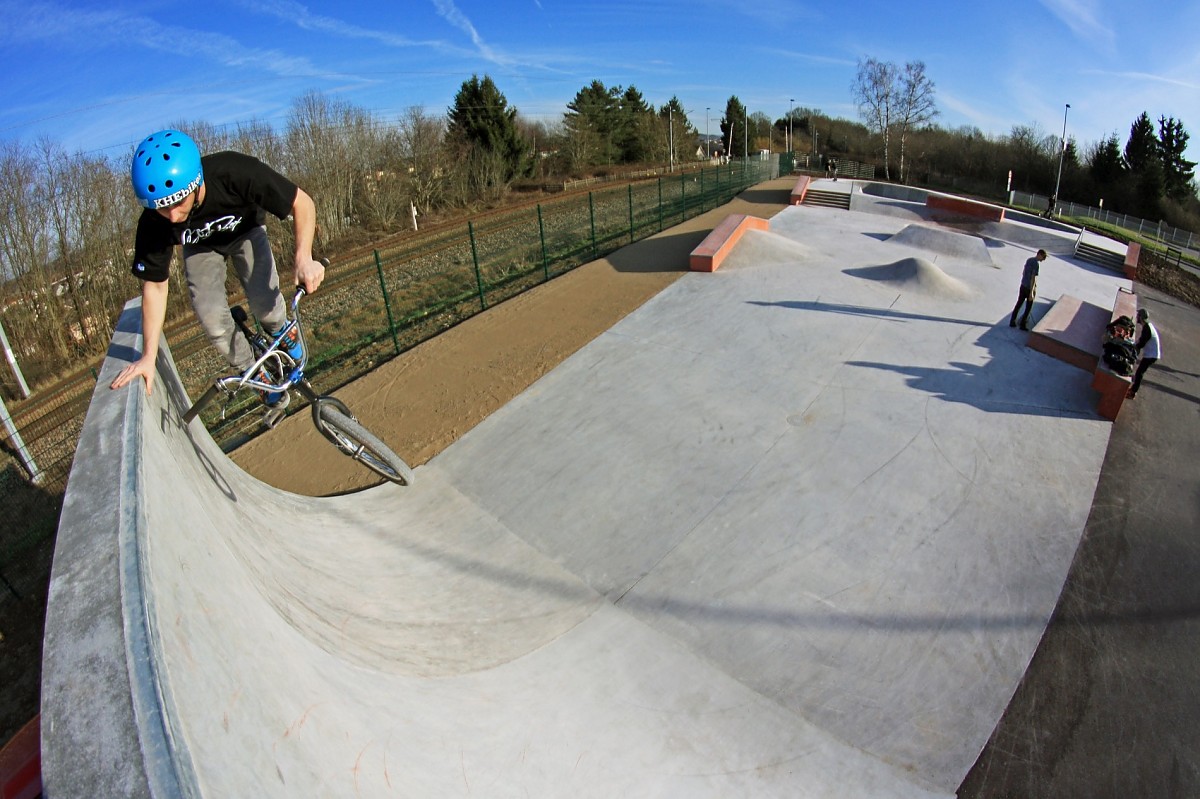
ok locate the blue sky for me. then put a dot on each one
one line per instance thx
(98, 77)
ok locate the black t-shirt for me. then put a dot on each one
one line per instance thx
(239, 190)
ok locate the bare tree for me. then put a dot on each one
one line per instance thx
(325, 147)
(421, 141)
(875, 91)
(914, 103)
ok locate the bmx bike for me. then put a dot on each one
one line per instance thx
(274, 371)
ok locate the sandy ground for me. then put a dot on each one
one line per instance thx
(422, 401)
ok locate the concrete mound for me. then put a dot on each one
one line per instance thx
(918, 275)
(766, 248)
(944, 242)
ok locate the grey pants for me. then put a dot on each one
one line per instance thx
(254, 263)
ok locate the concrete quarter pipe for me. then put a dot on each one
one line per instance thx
(761, 538)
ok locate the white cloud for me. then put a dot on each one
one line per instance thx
(81, 29)
(450, 12)
(1083, 19)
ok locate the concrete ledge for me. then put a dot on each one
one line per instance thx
(21, 763)
(958, 205)
(800, 189)
(1132, 255)
(1112, 386)
(707, 257)
(1072, 332)
(104, 727)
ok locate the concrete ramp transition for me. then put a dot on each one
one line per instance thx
(780, 532)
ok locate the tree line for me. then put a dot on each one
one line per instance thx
(67, 219)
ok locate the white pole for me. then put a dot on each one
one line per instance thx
(18, 443)
(671, 137)
(1062, 152)
(12, 362)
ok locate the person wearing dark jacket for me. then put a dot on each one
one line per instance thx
(1028, 291)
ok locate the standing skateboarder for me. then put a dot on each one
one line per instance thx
(1028, 291)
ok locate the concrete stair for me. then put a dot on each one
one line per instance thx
(1100, 256)
(828, 199)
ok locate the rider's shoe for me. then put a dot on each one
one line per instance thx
(291, 345)
(275, 400)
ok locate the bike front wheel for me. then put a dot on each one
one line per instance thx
(348, 435)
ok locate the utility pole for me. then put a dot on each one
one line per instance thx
(671, 136)
(791, 101)
(1061, 152)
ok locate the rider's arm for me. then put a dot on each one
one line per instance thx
(309, 273)
(154, 312)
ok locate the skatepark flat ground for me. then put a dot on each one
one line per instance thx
(793, 528)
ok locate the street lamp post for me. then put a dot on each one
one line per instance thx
(791, 100)
(1061, 153)
(671, 138)
(707, 141)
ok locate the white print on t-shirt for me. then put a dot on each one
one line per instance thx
(223, 225)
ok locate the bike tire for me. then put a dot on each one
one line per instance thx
(361, 444)
(205, 398)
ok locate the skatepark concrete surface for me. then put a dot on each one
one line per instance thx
(794, 528)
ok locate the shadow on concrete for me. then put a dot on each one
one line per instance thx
(989, 386)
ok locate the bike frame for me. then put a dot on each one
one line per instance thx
(273, 352)
(330, 415)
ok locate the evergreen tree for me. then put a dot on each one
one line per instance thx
(635, 131)
(1106, 165)
(1142, 148)
(591, 120)
(734, 128)
(481, 120)
(673, 119)
(1177, 170)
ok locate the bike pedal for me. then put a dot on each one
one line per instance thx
(273, 417)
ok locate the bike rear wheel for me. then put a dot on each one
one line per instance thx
(354, 440)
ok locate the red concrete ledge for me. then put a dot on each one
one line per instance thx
(21, 763)
(1112, 386)
(1071, 331)
(966, 207)
(800, 189)
(1132, 256)
(720, 242)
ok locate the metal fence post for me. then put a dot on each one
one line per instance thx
(630, 187)
(475, 259)
(592, 214)
(387, 302)
(660, 206)
(542, 235)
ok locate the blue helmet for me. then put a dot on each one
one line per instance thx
(166, 169)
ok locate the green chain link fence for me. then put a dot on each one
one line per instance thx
(381, 304)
